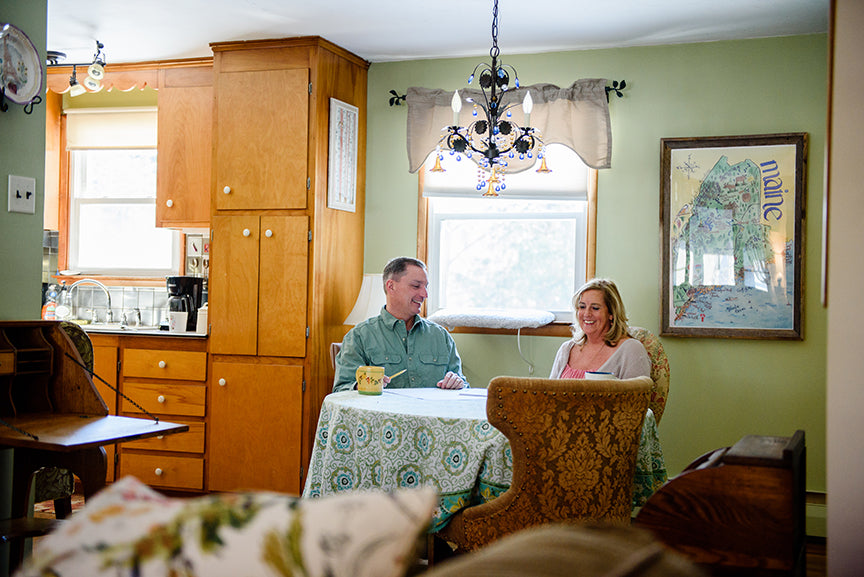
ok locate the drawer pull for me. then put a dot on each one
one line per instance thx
(227, 190)
(222, 382)
(162, 364)
(160, 437)
(161, 398)
(169, 203)
(158, 472)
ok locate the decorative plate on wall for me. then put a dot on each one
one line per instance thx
(20, 66)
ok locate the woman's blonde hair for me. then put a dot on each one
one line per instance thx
(618, 328)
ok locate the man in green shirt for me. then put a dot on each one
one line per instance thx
(400, 339)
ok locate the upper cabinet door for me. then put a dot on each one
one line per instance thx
(261, 139)
(185, 147)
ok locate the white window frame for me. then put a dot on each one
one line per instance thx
(584, 188)
(116, 129)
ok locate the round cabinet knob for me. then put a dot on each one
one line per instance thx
(158, 472)
(268, 233)
(161, 398)
(222, 382)
(162, 364)
(246, 232)
(160, 437)
(169, 203)
(227, 190)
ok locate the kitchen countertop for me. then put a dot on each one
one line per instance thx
(149, 331)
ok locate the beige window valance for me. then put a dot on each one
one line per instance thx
(576, 116)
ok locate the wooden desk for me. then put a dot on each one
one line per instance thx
(53, 416)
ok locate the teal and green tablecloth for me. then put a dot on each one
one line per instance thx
(416, 437)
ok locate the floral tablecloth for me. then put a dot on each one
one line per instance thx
(418, 437)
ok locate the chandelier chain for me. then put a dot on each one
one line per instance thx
(494, 51)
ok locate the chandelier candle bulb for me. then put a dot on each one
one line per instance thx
(527, 107)
(456, 105)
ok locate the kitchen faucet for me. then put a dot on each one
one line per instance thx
(109, 317)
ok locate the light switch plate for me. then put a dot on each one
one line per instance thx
(22, 194)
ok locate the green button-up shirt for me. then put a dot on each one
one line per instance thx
(427, 352)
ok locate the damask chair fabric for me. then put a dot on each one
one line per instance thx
(574, 446)
(659, 369)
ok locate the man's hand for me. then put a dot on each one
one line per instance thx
(451, 381)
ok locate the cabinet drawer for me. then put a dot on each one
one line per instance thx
(159, 364)
(192, 441)
(165, 398)
(7, 362)
(164, 471)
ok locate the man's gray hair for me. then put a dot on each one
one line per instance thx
(397, 267)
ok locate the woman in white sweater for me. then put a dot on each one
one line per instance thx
(600, 341)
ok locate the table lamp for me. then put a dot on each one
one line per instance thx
(369, 301)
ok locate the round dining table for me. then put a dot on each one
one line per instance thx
(408, 438)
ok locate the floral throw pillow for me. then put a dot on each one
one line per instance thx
(131, 530)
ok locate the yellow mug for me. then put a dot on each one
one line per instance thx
(370, 380)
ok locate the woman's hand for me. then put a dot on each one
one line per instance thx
(451, 381)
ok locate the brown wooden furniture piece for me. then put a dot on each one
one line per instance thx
(285, 266)
(53, 416)
(738, 510)
(574, 445)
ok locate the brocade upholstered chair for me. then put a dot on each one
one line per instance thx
(574, 446)
(659, 369)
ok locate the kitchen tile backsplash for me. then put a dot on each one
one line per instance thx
(89, 303)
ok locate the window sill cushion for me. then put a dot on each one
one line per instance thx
(492, 318)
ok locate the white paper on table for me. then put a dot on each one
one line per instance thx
(435, 394)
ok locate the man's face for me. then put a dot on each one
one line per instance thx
(406, 294)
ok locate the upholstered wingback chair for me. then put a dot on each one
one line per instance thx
(659, 369)
(574, 446)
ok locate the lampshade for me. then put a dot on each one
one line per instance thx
(369, 301)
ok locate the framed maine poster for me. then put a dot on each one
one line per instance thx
(342, 165)
(732, 210)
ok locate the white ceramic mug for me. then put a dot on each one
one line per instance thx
(177, 321)
(598, 375)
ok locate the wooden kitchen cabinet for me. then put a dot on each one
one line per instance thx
(105, 357)
(185, 146)
(261, 146)
(257, 286)
(165, 377)
(284, 267)
(255, 427)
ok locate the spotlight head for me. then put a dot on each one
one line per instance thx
(96, 71)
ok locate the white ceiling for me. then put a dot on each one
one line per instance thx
(382, 30)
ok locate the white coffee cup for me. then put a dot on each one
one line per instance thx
(600, 375)
(177, 321)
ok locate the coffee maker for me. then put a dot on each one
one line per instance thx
(186, 293)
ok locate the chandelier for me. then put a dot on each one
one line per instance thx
(493, 138)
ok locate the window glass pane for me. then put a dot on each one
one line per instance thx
(115, 173)
(501, 253)
(122, 236)
(507, 264)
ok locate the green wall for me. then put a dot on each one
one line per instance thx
(720, 389)
(22, 153)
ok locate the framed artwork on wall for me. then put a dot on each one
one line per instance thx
(732, 211)
(342, 165)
